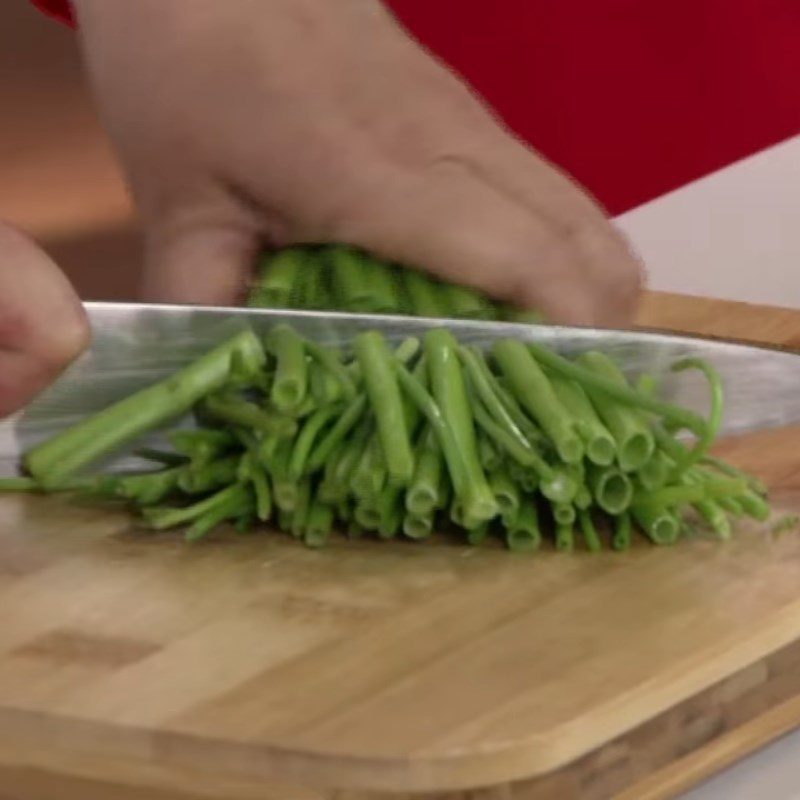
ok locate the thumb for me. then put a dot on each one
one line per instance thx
(42, 324)
(203, 265)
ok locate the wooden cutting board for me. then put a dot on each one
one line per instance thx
(133, 665)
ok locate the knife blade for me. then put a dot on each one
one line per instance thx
(134, 345)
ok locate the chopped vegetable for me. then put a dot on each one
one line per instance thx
(518, 445)
(348, 279)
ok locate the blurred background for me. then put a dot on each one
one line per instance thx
(58, 178)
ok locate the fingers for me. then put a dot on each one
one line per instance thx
(467, 229)
(571, 214)
(205, 264)
(42, 324)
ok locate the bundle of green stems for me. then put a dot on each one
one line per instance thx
(403, 439)
(342, 278)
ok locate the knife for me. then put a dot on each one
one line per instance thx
(134, 345)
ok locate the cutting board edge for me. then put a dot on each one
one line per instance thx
(524, 760)
(783, 630)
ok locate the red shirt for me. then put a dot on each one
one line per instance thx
(632, 97)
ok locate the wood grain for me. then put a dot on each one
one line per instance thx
(250, 667)
(721, 318)
(654, 761)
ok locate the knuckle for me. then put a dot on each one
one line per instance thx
(607, 256)
(589, 274)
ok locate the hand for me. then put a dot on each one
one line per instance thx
(42, 324)
(284, 121)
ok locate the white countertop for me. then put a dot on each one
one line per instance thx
(771, 774)
(733, 235)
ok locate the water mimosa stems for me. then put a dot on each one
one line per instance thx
(509, 410)
(407, 349)
(565, 538)
(329, 360)
(464, 303)
(660, 524)
(369, 475)
(384, 294)
(656, 471)
(290, 383)
(279, 275)
(354, 530)
(238, 503)
(262, 492)
(530, 386)
(681, 418)
(754, 505)
(350, 279)
(152, 487)
(337, 478)
(305, 441)
(478, 534)
(564, 513)
(714, 515)
(705, 438)
(18, 485)
(505, 491)
(635, 443)
(324, 388)
(284, 489)
(201, 445)
(731, 506)
(201, 479)
(601, 449)
(423, 492)
(386, 403)
(60, 457)
(560, 487)
(449, 392)
(237, 411)
(162, 457)
(490, 457)
(334, 456)
(425, 295)
(583, 498)
(418, 527)
(623, 528)
(734, 472)
(301, 508)
(534, 434)
(314, 286)
(612, 489)
(486, 390)
(161, 518)
(367, 516)
(523, 454)
(319, 524)
(680, 495)
(390, 508)
(349, 418)
(284, 520)
(523, 533)
(590, 536)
